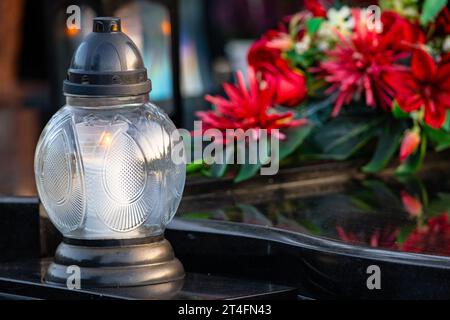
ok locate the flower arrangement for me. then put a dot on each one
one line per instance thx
(339, 81)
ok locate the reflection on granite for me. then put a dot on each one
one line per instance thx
(404, 214)
(25, 278)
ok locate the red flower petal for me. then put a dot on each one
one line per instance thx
(412, 205)
(402, 82)
(434, 237)
(410, 103)
(315, 8)
(443, 77)
(409, 144)
(399, 33)
(443, 22)
(434, 116)
(423, 66)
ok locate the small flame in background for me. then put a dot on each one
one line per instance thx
(166, 28)
(72, 31)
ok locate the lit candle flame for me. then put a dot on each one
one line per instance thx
(105, 139)
(72, 31)
(166, 28)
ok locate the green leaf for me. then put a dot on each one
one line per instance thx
(430, 10)
(206, 172)
(387, 145)
(246, 171)
(439, 205)
(310, 226)
(197, 215)
(397, 112)
(440, 137)
(446, 125)
(361, 204)
(294, 138)
(317, 110)
(313, 25)
(414, 161)
(251, 213)
(404, 232)
(195, 166)
(382, 193)
(218, 170)
(304, 60)
(342, 137)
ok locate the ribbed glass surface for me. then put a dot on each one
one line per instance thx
(107, 172)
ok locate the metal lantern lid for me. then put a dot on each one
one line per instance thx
(107, 63)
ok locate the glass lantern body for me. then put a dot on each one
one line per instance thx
(110, 168)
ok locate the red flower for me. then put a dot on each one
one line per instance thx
(358, 64)
(289, 83)
(399, 33)
(426, 86)
(247, 108)
(412, 205)
(445, 58)
(262, 56)
(409, 145)
(434, 238)
(443, 22)
(379, 238)
(315, 7)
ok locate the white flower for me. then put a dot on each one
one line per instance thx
(341, 20)
(446, 45)
(303, 45)
(338, 21)
(325, 36)
(407, 8)
(325, 30)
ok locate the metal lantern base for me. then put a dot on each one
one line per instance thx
(115, 263)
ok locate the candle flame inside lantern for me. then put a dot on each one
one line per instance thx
(114, 28)
(105, 139)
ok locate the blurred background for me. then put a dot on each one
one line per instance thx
(189, 47)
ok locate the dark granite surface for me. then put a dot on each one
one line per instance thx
(24, 278)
